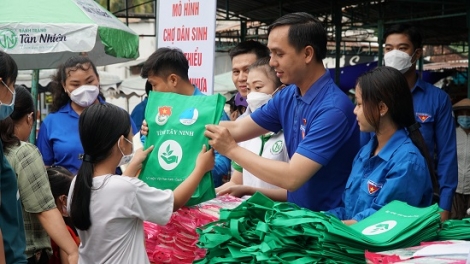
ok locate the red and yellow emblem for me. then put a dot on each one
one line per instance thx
(423, 117)
(373, 187)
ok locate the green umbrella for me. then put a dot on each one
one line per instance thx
(42, 34)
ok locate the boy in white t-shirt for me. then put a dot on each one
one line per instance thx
(262, 84)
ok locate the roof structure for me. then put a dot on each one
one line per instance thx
(441, 21)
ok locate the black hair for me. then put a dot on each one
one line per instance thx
(407, 29)
(164, 62)
(24, 105)
(263, 64)
(249, 47)
(304, 30)
(8, 68)
(60, 179)
(148, 87)
(98, 141)
(59, 96)
(388, 85)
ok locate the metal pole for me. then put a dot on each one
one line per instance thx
(34, 94)
(380, 38)
(338, 16)
(468, 50)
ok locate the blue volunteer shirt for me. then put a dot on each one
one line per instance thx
(397, 172)
(59, 140)
(321, 126)
(138, 114)
(433, 110)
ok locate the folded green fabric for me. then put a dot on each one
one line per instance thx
(262, 231)
(455, 230)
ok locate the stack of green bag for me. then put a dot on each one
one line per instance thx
(263, 231)
(455, 230)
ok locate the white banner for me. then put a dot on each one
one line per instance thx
(190, 26)
(34, 38)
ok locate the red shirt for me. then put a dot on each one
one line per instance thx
(55, 258)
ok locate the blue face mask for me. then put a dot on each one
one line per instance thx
(7, 109)
(464, 121)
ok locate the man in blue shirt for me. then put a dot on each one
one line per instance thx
(167, 71)
(433, 108)
(138, 114)
(317, 118)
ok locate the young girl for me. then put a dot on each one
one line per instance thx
(60, 179)
(108, 210)
(262, 84)
(395, 164)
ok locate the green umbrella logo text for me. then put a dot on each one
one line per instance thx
(8, 39)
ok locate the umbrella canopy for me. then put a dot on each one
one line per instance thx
(42, 34)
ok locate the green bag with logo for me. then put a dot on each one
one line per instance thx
(176, 129)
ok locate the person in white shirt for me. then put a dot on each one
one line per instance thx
(108, 210)
(262, 83)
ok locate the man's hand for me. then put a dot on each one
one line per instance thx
(220, 139)
(445, 215)
(237, 190)
(144, 129)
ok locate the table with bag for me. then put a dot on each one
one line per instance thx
(226, 229)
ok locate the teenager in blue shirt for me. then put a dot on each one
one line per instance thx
(432, 108)
(394, 164)
(167, 71)
(320, 129)
(76, 87)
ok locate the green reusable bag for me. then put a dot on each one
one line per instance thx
(176, 129)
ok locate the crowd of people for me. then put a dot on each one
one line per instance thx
(291, 134)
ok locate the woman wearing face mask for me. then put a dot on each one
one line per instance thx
(108, 211)
(75, 87)
(461, 201)
(261, 85)
(41, 217)
(12, 237)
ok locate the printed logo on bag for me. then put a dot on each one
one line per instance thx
(277, 147)
(379, 228)
(164, 113)
(8, 38)
(423, 117)
(189, 116)
(373, 187)
(170, 154)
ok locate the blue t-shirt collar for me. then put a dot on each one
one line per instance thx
(197, 91)
(67, 108)
(420, 83)
(313, 91)
(392, 145)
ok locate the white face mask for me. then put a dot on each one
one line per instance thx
(256, 99)
(125, 158)
(399, 60)
(85, 95)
